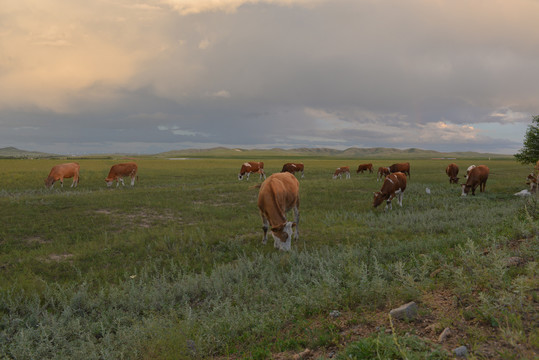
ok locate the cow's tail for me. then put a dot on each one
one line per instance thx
(255, 186)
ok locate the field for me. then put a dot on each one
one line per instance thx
(174, 268)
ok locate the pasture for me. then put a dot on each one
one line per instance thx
(174, 268)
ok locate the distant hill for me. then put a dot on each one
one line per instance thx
(12, 152)
(357, 153)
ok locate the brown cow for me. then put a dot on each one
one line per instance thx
(118, 171)
(61, 172)
(251, 167)
(382, 173)
(342, 170)
(394, 184)
(364, 167)
(469, 169)
(532, 180)
(476, 177)
(400, 167)
(452, 171)
(293, 168)
(278, 194)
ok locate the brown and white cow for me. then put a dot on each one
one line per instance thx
(533, 181)
(293, 168)
(452, 171)
(469, 169)
(118, 171)
(61, 172)
(476, 177)
(394, 184)
(278, 194)
(382, 173)
(252, 167)
(400, 167)
(340, 171)
(364, 167)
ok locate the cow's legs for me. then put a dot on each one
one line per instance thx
(133, 181)
(296, 219)
(122, 180)
(401, 194)
(61, 182)
(348, 175)
(265, 226)
(248, 173)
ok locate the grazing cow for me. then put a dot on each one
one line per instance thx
(401, 167)
(477, 177)
(118, 171)
(293, 168)
(382, 173)
(364, 167)
(532, 180)
(252, 167)
(469, 169)
(278, 194)
(394, 184)
(61, 172)
(452, 171)
(342, 170)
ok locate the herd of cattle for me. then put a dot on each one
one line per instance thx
(279, 193)
(71, 170)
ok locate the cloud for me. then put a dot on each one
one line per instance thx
(177, 131)
(189, 7)
(507, 115)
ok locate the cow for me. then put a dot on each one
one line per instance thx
(469, 169)
(342, 170)
(252, 167)
(364, 167)
(401, 167)
(382, 173)
(61, 172)
(118, 171)
(532, 180)
(394, 184)
(278, 194)
(476, 177)
(293, 168)
(452, 171)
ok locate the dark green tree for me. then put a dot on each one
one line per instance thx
(529, 154)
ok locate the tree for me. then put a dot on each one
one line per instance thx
(529, 154)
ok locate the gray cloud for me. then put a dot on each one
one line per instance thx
(173, 74)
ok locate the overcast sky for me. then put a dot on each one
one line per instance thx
(147, 76)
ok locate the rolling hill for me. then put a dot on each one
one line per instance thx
(354, 152)
(12, 152)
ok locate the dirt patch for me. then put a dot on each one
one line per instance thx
(58, 257)
(144, 218)
(36, 240)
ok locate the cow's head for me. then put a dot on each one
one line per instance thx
(49, 182)
(109, 181)
(465, 189)
(455, 180)
(240, 176)
(378, 198)
(282, 234)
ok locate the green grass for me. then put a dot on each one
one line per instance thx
(174, 267)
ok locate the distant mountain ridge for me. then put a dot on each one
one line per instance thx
(353, 152)
(13, 152)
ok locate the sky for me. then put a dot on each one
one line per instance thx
(148, 76)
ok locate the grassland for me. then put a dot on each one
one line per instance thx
(174, 268)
